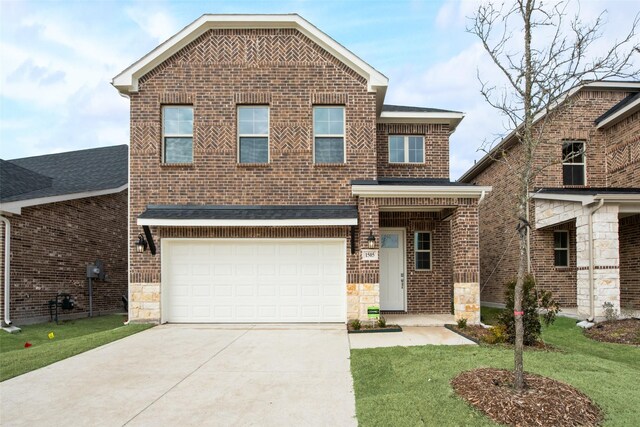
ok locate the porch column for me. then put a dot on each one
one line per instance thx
(466, 263)
(606, 261)
(363, 284)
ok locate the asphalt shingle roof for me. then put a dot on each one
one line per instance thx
(620, 105)
(249, 212)
(408, 109)
(588, 191)
(410, 181)
(64, 173)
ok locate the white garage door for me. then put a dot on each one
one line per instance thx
(254, 280)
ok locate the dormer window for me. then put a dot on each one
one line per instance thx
(177, 134)
(406, 149)
(573, 170)
(328, 134)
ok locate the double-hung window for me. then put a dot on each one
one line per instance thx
(573, 171)
(561, 248)
(177, 134)
(253, 134)
(406, 149)
(423, 250)
(328, 134)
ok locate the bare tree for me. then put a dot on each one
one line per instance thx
(541, 53)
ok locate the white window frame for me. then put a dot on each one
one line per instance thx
(165, 136)
(561, 249)
(268, 135)
(584, 160)
(406, 150)
(416, 251)
(343, 135)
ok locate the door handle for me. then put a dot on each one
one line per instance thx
(401, 280)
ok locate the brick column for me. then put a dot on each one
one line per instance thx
(466, 263)
(606, 260)
(363, 286)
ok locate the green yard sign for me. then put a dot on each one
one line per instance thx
(373, 312)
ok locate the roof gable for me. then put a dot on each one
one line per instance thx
(127, 81)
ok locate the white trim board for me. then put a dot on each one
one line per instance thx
(418, 191)
(246, 222)
(127, 81)
(619, 115)
(16, 207)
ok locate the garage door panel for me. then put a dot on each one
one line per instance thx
(254, 281)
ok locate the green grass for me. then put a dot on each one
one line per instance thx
(410, 386)
(71, 337)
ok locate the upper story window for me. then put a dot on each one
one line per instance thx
(253, 134)
(561, 248)
(177, 134)
(328, 135)
(406, 149)
(423, 250)
(573, 170)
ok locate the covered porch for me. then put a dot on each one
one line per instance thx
(427, 254)
(607, 244)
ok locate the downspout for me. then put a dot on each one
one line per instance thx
(484, 193)
(592, 308)
(7, 269)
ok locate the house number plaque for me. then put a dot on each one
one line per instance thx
(369, 254)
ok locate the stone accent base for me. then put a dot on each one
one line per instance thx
(606, 285)
(466, 302)
(144, 302)
(359, 297)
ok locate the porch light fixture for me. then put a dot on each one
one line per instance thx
(371, 240)
(141, 244)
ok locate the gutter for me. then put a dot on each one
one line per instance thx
(592, 211)
(7, 277)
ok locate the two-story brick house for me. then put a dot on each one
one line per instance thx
(272, 184)
(585, 206)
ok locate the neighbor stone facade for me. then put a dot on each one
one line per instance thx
(612, 161)
(51, 246)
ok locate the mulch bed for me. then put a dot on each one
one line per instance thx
(544, 402)
(366, 329)
(478, 334)
(626, 331)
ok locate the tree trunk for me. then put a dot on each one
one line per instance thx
(518, 381)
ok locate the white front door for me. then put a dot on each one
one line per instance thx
(392, 269)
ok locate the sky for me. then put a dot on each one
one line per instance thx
(57, 60)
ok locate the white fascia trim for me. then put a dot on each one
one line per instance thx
(618, 198)
(421, 115)
(585, 200)
(417, 191)
(127, 80)
(619, 114)
(15, 207)
(246, 222)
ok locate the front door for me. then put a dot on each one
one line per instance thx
(392, 270)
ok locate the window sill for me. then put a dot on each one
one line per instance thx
(176, 165)
(253, 165)
(405, 164)
(329, 165)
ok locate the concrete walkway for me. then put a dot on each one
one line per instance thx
(194, 375)
(410, 335)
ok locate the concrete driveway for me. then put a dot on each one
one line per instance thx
(194, 375)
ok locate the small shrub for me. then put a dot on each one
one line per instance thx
(627, 311)
(462, 323)
(356, 325)
(382, 322)
(610, 313)
(497, 334)
(532, 300)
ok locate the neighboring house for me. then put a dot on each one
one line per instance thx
(585, 210)
(65, 211)
(265, 165)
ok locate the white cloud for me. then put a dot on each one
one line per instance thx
(159, 25)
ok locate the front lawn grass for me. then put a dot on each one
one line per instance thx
(71, 337)
(411, 385)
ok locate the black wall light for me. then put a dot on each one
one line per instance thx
(141, 244)
(371, 240)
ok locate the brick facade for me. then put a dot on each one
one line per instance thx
(281, 68)
(630, 262)
(612, 160)
(51, 246)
